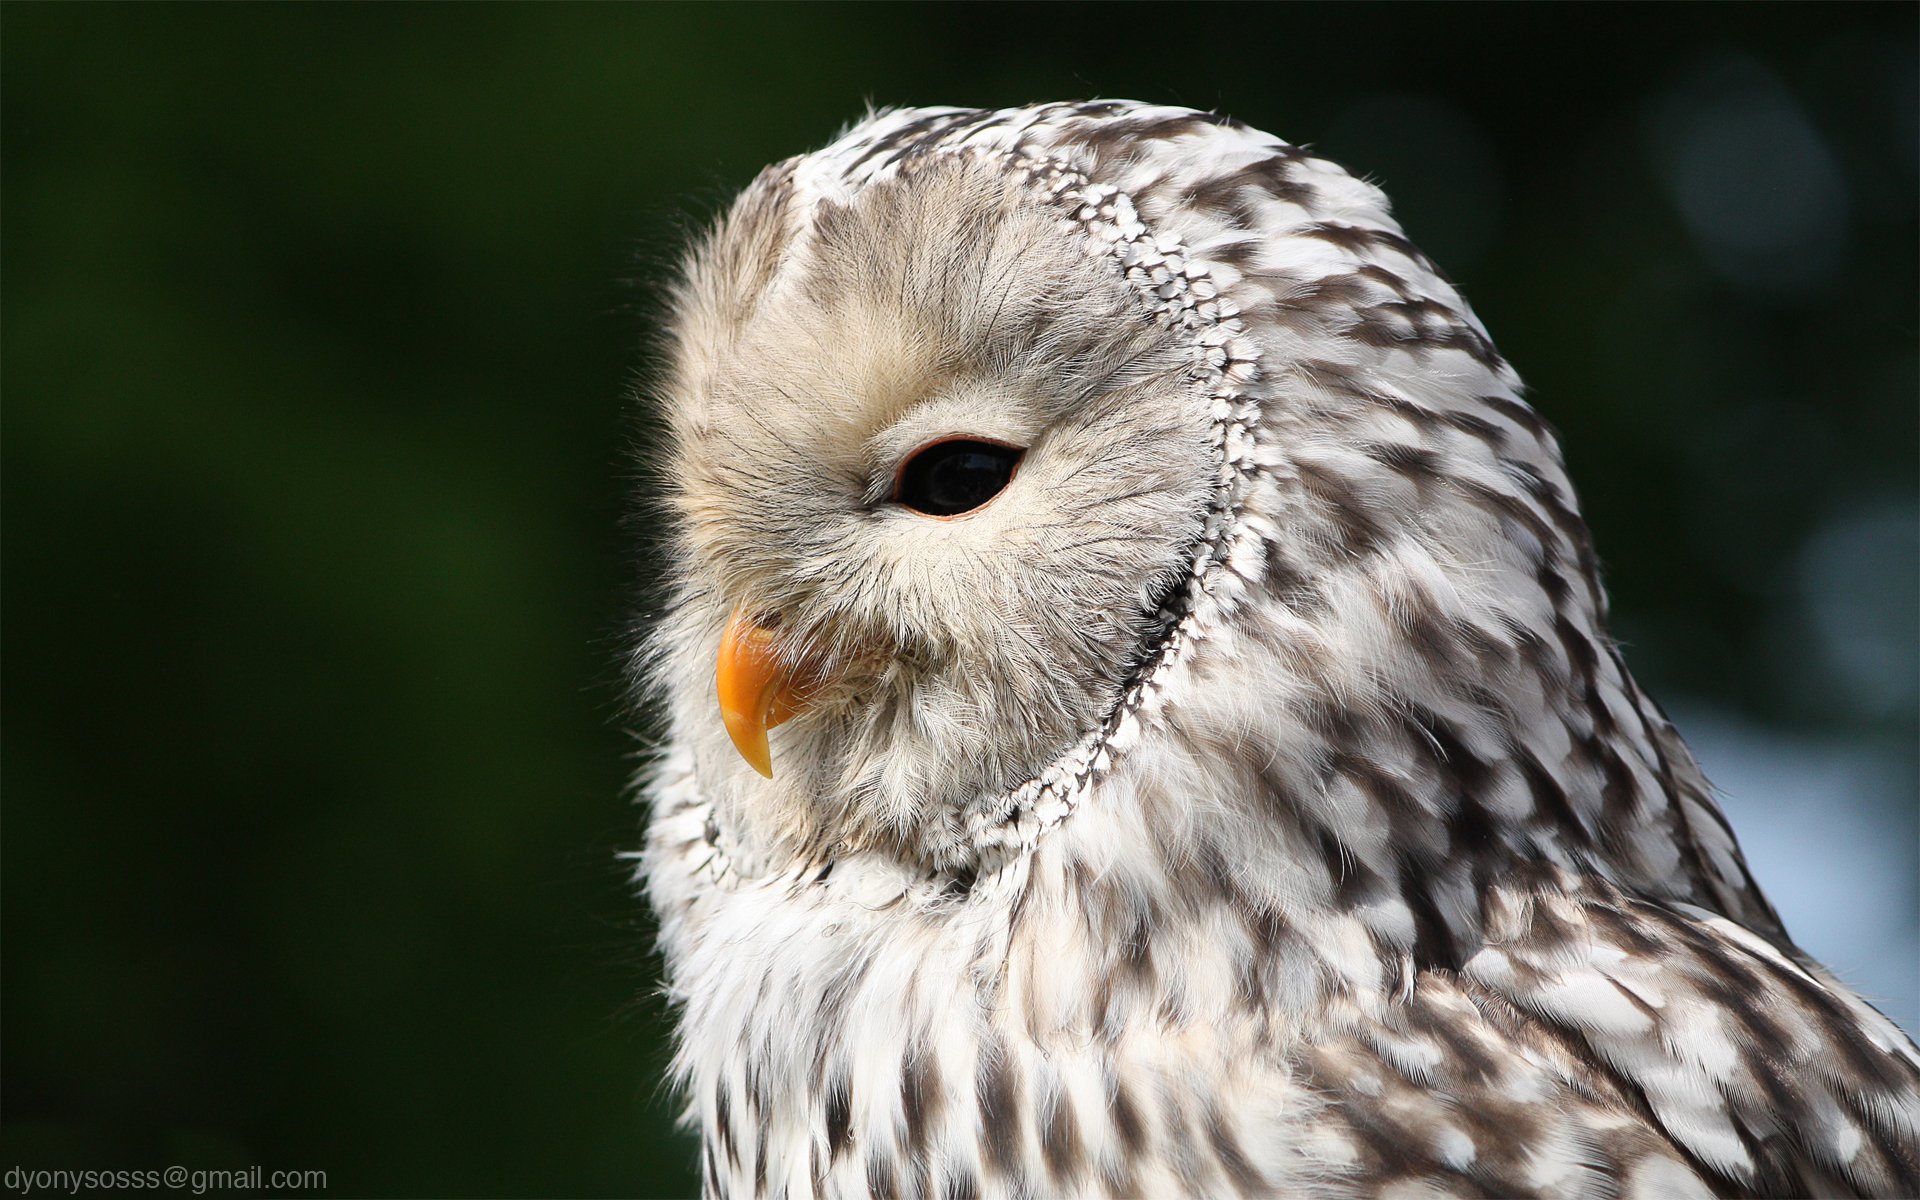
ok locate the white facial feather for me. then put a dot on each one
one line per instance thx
(960, 655)
(1248, 798)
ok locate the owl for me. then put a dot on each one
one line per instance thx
(1141, 719)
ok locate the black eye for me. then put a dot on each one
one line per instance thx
(955, 476)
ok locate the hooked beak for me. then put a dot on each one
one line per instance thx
(756, 688)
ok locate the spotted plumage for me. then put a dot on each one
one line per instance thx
(1247, 800)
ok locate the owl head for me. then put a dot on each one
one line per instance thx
(1002, 443)
(935, 482)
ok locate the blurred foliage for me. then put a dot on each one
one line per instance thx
(318, 328)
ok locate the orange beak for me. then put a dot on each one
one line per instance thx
(756, 688)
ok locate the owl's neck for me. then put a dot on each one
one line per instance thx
(1295, 823)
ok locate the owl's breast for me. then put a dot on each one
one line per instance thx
(852, 1029)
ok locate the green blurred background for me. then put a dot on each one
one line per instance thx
(319, 326)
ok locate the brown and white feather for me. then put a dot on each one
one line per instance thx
(1249, 801)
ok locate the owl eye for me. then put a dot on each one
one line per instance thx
(955, 475)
